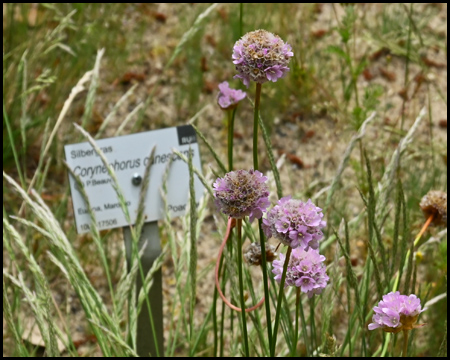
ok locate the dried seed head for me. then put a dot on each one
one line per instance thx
(435, 203)
(331, 344)
(253, 254)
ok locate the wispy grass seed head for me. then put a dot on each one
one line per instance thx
(228, 98)
(295, 223)
(305, 270)
(261, 56)
(396, 313)
(435, 203)
(242, 193)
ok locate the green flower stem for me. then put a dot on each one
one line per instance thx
(305, 334)
(224, 307)
(265, 281)
(405, 343)
(232, 299)
(216, 340)
(222, 325)
(313, 323)
(261, 233)
(416, 241)
(297, 315)
(280, 298)
(408, 52)
(231, 114)
(255, 126)
(216, 294)
(241, 285)
(241, 15)
(397, 278)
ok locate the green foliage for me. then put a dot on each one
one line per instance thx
(372, 253)
(347, 24)
(43, 58)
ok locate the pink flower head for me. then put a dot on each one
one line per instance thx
(273, 73)
(227, 97)
(242, 193)
(306, 270)
(295, 223)
(396, 312)
(261, 56)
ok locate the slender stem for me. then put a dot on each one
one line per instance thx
(408, 51)
(424, 228)
(313, 323)
(416, 241)
(305, 334)
(297, 315)
(13, 146)
(231, 114)
(241, 15)
(280, 298)
(261, 233)
(405, 343)
(354, 79)
(216, 340)
(255, 126)
(216, 294)
(230, 249)
(363, 309)
(361, 159)
(349, 311)
(266, 282)
(241, 285)
(222, 325)
(135, 257)
(231, 224)
(430, 122)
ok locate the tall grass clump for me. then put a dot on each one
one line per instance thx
(300, 245)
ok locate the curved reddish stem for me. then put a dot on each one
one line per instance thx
(231, 224)
(424, 228)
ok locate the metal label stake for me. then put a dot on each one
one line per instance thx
(126, 156)
(145, 338)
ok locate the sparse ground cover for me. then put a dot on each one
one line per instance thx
(161, 67)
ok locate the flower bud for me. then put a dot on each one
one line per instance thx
(253, 254)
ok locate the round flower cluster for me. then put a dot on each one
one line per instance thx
(295, 223)
(396, 312)
(228, 98)
(261, 56)
(435, 203)
(242, 193)
(305, 270)
(253, 254)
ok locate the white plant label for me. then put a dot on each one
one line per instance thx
(128, 155)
